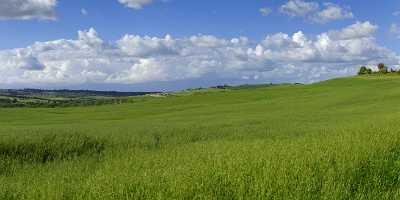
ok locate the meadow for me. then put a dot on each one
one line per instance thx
(338, 139)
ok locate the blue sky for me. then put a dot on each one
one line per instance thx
(222, 21)
(223, 18)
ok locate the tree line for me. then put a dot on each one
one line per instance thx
(382, 69)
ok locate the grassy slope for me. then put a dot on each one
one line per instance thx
(338, 139)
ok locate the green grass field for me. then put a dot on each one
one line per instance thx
(338, 139)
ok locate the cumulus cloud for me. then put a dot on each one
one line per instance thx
(332, 12)
(134, 59)
(314, 12)
(135, 4)
(27, 9)
(357, 30)
(299, 8)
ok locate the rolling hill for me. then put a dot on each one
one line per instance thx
(338, 139)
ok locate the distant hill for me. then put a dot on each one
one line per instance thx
(69, 93)
(67, 98)
(64, 98)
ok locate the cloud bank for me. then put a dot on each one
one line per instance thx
(137, 59)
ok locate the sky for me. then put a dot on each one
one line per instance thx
(164, 45)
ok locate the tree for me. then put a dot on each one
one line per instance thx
(382, 68)
(363, 70)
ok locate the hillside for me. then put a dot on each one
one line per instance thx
(63, 98)
(338, 139)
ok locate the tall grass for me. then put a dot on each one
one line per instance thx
(333, 140)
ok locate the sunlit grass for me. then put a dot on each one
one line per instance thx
(338, 139)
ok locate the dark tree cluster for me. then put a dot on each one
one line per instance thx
(382, 69)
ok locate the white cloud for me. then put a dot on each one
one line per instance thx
(314, 12)
(84, 11)
(395, 30)
(396, 13)
(135, 4)
(27, 9)
(265, 11)
(136, 59)
(299, 8)
(357, 30)
(89, 39)
(332, 12)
